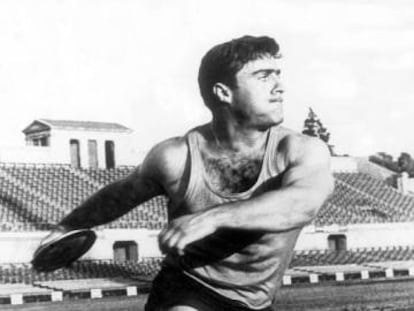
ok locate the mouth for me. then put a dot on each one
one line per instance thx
(276, 100)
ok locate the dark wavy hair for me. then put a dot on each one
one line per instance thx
(223, 61)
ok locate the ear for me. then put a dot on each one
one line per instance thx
(223, 92)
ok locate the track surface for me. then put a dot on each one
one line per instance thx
(396, 295)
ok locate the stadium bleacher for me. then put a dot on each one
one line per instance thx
(32, 196)
(23, 273)
(352, 256)
(105, 176)
(148, 267)
(381, 202)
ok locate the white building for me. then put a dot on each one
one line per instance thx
(79, 143)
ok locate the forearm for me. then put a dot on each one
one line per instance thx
(106, 205)
(273, 211)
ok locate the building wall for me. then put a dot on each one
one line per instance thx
(359, 235)
(406, 184)
(60, 143)
(147, 241)
(59, 149)
(344, 164)
(17, 247)
(20, 246)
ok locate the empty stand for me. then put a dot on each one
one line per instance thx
(84, 269)
(106, 176)
(148, 267)
(33, 197)
(360, 198)
(352, 256)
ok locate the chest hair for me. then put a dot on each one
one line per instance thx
(233, 173)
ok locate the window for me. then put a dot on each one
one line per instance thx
(110, 154)
(40, 141)
(125, 251)
(44, 141)
(337, 242)
(75, 153)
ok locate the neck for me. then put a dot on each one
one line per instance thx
(234, 136)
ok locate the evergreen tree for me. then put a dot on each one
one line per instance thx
(406, 163)
(311, 125)
(385, 160)
(314, 127)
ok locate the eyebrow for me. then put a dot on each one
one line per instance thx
(277, 71)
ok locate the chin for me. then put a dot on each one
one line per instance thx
(271, 123)
(280, 121)
(277, 121)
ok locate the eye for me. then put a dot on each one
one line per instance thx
(264, 76)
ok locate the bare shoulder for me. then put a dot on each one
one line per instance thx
(166, 159)
(298, 148)
(307, 160)
(162, 166)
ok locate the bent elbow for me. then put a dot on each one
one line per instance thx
(314, 203)
(310, 215)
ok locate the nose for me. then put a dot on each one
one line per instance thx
(278, 85)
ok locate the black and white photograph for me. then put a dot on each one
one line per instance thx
(213, 155)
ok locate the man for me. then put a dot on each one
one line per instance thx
(241, 188)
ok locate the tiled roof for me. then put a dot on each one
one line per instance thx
(85, 125)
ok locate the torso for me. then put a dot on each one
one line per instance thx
(228, 172)
(252, 262)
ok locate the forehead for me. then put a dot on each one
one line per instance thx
(263, 63)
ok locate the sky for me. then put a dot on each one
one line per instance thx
(136, 63)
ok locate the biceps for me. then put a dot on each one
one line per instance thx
(138, 189)
(315, 183)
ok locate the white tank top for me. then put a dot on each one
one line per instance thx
(241, 265)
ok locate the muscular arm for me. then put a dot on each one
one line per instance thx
(116, 199)
(307, 182)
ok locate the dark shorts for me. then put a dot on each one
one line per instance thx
(173, 288)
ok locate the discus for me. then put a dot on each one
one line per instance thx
(63, 250)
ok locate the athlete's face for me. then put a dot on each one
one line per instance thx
(257, 98)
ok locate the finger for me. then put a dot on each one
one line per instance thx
(181, 244)
(161, 236)
(167, 241)
(161, 241)
(171, 243)
(165, 235)
(50, 237)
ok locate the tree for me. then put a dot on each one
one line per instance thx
(311, 124)
(406, 163)
(385, 160)
(314, 127)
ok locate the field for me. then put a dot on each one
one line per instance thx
(372, 296)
